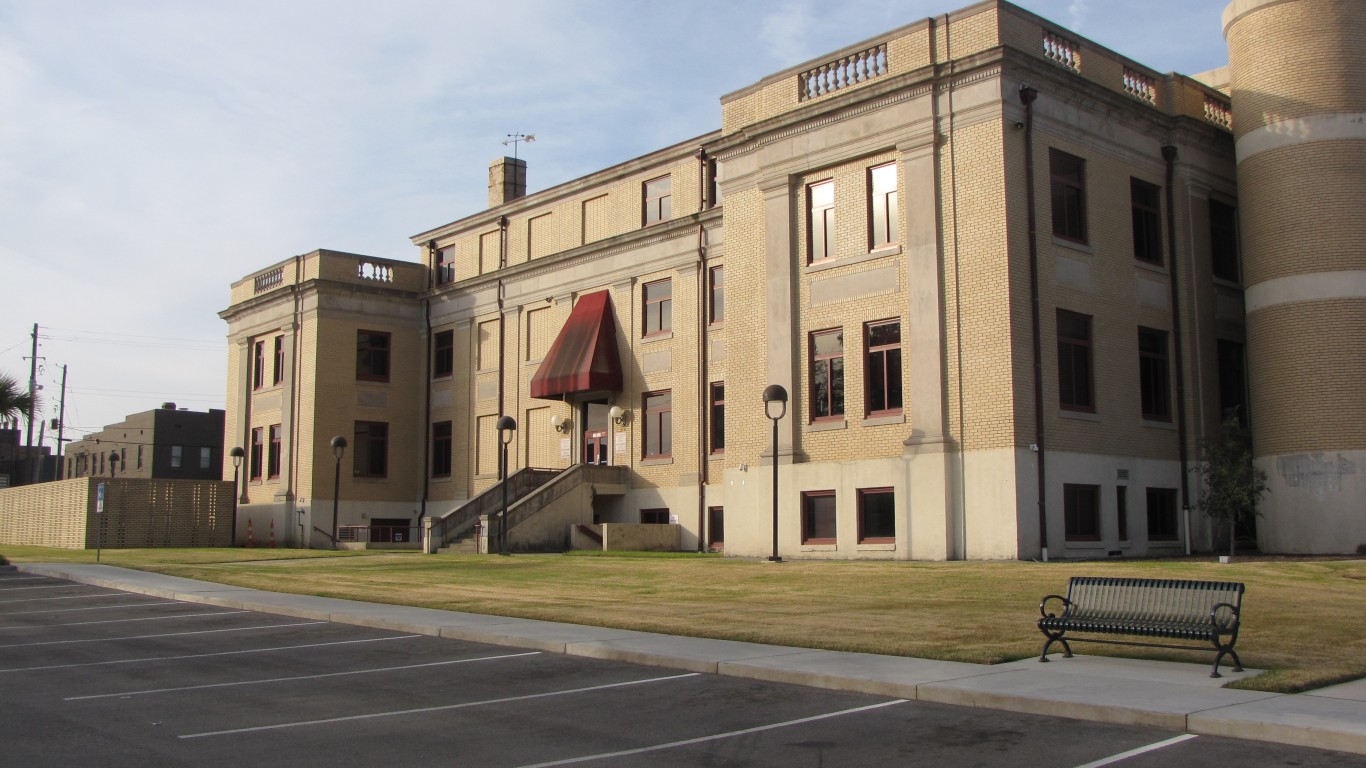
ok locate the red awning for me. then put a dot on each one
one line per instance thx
(584, 356)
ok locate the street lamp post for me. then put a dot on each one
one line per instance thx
(236, 453)
(774, 393)
(506, 426)
(338, 450)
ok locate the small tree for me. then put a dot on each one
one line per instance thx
(1231, 484)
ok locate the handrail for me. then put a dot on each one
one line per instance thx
(455, 522)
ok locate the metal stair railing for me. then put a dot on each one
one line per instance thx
(450, 526)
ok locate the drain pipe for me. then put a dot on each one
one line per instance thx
(502, 322)
(1169, 154)
(426, 416)
(1028, 94)
(703, 386)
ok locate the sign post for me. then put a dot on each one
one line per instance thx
(99, 520)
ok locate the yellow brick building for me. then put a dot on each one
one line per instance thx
(996, 268)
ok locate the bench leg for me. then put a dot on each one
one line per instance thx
(1237, 663)
(1055, 638)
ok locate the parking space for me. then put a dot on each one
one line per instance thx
(96, 676)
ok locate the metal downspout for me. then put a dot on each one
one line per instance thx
(1027, 96)
(426, 415)
(703, 386)
(1169, 154)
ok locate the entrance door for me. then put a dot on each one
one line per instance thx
(596, 427)
(595, 447)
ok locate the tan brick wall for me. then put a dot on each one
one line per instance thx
(1306, 364)
(137, 513)
(1296, 59)
(1319, 229)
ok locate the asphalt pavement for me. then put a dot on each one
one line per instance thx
(1172, 696)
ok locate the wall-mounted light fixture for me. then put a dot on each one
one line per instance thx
(618, 415)
(560, 423)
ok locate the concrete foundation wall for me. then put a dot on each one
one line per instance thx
(640, 537)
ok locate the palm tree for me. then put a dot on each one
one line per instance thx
(15, 401)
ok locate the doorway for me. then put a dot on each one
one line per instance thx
(596, 449)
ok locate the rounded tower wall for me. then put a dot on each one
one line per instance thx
(1298, 91)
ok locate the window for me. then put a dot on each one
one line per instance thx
(658, 307)
(1162, 523)
(718, 417)
(445, 265)
(443, 354)
(1081, 512)
(1232, 381)
(883, 368)
(371, 454)
(882, 206)
(818, 517)
(278, 373)
(258, 365)
(1068, 176)
(258, 446)
(659, 424)
(1155, 389)
(716, 527)
(372, 356)
(820, 220)
(273, 454)
(441, 449)
(1074, 362)
(713, 185)
(139, 457)
(716, 284)
(876, 515)
(1146, 207)
(205, 457)
(1223, 240)
(657, 201)
(827, 374)
(1122, 511)
(654, 516)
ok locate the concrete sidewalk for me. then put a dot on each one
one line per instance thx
(1180, 697)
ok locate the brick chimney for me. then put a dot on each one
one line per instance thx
(507, 180)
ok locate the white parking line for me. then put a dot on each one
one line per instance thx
(714, 737)
(127, 694)
(209, 655)
(121, 621)
(67, 597)
(442, 708)
(23, 578)
(168, 634)
(95, 608)
(1136, 752)
(40, 586)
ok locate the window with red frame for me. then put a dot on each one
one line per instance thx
(827, 374)
(882, 367)
(658, 306)
(658, 425)
(818, 517)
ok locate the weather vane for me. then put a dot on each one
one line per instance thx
(516, 138)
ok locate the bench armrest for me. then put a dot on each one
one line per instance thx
(1214, 614)
(1043, 606)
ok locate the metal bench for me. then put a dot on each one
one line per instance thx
(1167, 608)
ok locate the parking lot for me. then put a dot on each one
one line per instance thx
(90, 675)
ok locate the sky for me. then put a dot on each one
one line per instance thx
(154, 151)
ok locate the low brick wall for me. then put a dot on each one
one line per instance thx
(137, 513)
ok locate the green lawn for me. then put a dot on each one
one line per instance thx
(1303, 620)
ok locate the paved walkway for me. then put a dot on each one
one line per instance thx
(1179, 697)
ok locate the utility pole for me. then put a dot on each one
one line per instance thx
(32, 402)
(61, 427)
(32, 386)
